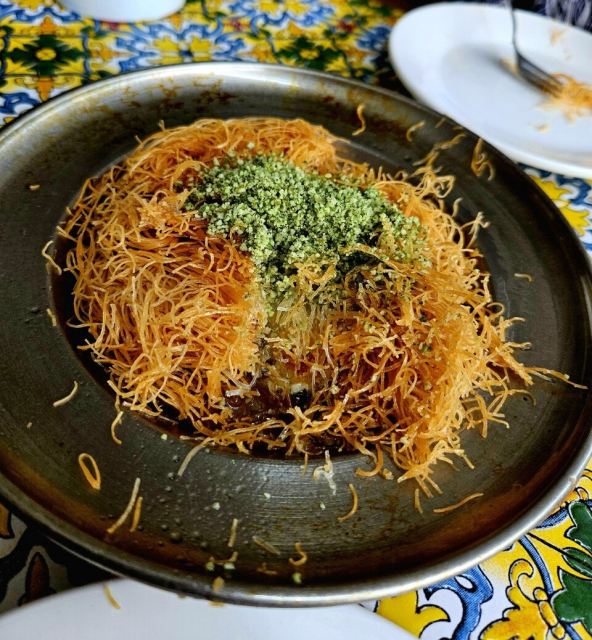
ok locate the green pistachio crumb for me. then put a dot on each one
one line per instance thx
(285, 216)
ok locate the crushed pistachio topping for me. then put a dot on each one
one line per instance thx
(286, 217)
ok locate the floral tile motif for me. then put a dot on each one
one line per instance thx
(45, 49)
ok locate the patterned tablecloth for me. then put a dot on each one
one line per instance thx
(541, 587)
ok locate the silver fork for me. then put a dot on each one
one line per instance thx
(530, 71)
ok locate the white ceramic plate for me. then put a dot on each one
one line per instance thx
(147, 613)
(449, 56)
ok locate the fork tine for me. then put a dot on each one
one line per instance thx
(537, 76)
(527, 69)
